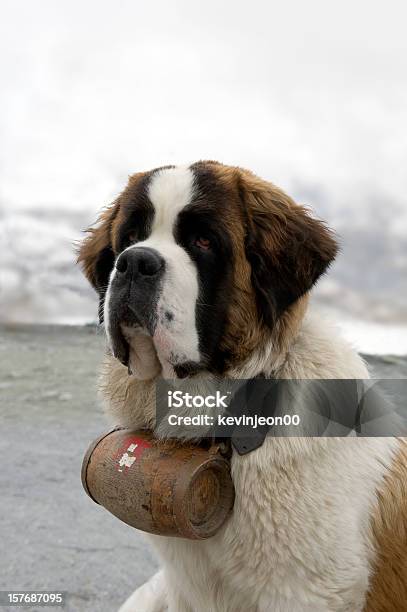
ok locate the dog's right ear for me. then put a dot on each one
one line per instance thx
(287, 248)
(96, 255)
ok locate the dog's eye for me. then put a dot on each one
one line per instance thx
(203, 243)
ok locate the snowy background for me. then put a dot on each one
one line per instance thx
(312, 96)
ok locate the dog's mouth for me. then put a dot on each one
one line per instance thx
(144, 341)
(143, 362)
(118, 344)
(134, 346)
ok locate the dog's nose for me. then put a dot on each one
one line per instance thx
(139, 261)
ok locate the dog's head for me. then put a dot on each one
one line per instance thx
(195, 265)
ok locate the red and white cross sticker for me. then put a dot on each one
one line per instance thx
(130, 451)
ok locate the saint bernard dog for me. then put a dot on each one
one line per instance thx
(207, 269)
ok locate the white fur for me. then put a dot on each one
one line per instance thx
(151, 596)
(176, 341)
(298, 539)
(170, 191)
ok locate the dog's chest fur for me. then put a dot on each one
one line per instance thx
(299, 536)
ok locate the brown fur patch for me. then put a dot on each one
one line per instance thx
(295, 250)
(103, 236)
(287, 248)
(98, 239)
(388, 586)
(243, 330)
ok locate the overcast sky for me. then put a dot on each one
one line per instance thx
(312, 95)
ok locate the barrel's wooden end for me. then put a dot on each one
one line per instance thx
(209, 498)
(87, 457)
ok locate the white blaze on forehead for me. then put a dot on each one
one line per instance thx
(176, 339)
(170, 190)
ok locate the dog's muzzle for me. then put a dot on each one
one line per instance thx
(133, 295)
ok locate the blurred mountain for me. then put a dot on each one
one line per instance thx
(39, 281)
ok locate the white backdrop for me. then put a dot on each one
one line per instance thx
(310, 95)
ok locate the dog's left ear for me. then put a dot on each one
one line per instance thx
(288, 250)
(96, 254)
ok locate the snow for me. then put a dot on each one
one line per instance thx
(374, 338)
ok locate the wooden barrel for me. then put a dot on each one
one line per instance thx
(160, 487)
